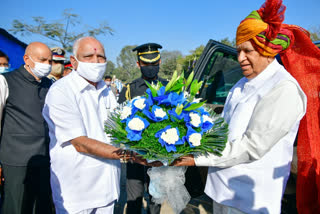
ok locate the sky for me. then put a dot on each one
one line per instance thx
(175, 24)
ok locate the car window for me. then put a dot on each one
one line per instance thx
(220, 74)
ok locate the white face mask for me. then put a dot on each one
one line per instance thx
(40, 69)
(57, 70)
(91, 71)
(4, 70)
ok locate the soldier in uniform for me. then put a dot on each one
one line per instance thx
(57, 63)
(149, 64)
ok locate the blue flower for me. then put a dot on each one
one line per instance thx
(207, 123)
(150, 98)
(169, 137)
(157, 114)
(161, 95)
(172, 99)
(174, 116)
(135, 126)
(193, 137)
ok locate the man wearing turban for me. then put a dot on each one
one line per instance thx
(263, 111)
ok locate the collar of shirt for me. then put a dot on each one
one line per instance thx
(267, 73)
(82, 83)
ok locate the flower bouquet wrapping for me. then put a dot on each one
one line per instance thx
(165, 124)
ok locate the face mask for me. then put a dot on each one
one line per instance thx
(40, 69)
(4, 70)
(150, 71)
(91, 71)
(57, 70)
(108, 83)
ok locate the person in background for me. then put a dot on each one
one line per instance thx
(107, 80)
(57, 63)
(4, 63)
(67, 68)
(149, 64)
(118, 84)
(24, 139)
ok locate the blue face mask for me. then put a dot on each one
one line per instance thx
(4, 70)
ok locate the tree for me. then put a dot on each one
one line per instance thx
(59, 31)
(110, 69)
(315, 33)
(126, 62)
(226, 41)
(168, 63)
(187, 63)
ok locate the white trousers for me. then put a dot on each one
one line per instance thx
(222, 209)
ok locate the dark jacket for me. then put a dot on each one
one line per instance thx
(137, 88)
(25, 137)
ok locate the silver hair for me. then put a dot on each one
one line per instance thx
(77, 43)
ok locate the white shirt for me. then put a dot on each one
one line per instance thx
(75, 108)
(4, 93)
(263, 116)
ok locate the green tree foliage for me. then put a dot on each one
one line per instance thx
(315, 33)
(127, 69)
(187, 63)
(226, 41)
(168, 63)
(59, 31)
(110, 69)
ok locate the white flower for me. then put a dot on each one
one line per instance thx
(206, 118)
(140, 104)
(136, 124)
(160, 113)
(195, 119)
(195, 139)
(155, 86)
(186, 94)
(170, 136)
(196, 100)
(126, 112)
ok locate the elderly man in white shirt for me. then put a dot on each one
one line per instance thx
(263, 111)
(85, 168)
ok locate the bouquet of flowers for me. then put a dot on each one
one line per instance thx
(167, 123)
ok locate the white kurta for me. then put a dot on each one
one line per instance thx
(263, 116)
(75, 108)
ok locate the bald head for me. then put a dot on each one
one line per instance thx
(37, 52)
(36, 48)
(87, 49)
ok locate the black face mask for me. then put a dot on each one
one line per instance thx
(150, 71)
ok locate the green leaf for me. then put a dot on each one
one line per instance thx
(189, 80)
(172, 81)
(193, 87)
(153, 90)
(194, 106)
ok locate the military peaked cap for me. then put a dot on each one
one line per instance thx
(148, 53)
